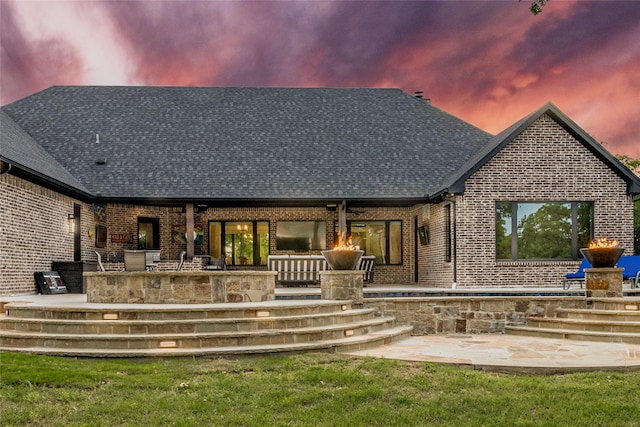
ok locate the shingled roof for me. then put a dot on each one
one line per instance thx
(25, 153)
(246, 144)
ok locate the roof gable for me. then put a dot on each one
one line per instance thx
(456, 183)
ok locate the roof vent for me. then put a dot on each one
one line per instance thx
(418, 94)
(101, 162)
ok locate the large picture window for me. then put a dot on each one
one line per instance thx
(542, 231)
(243, 242)
(383, 239)
(301, 236)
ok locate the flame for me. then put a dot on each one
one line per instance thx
(602, 242)
(344, 243)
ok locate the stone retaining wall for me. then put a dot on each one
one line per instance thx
(180, 287)
(468, 315)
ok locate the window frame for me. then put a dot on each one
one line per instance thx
(231, 259)
(155, 231)
(575, 249)
(387, 225)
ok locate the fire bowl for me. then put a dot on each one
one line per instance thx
(342, 259)
(602, 257)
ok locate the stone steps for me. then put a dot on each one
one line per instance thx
(182, 326)
(608, 320)
(223, 329)
(619, 337)
(346, 344)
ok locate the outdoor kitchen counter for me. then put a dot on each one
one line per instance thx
(180, 287)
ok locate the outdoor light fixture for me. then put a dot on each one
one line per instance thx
(72, 222)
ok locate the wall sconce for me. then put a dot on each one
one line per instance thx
(72, 223)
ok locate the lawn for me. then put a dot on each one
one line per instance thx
(302, 390)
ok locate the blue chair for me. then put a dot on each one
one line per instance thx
(631, 265)
(576, 276)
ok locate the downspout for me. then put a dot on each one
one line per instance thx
(451, 198)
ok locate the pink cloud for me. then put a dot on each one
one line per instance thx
(489, 63)
(29, 66)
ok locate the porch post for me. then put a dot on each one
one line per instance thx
(189, 231)
(342, 219)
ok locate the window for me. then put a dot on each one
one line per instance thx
(148, 233)
(243, 242)
(540, 231)
(383, 239)
(301, 235)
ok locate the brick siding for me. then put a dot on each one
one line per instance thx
(35, 232)
(544, 163)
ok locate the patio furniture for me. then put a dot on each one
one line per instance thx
(151, 257)
(135, 260)
(100, 266)
(630, 264)
(297, 270)
(181, 263)
(219, 263)
(576, 276)
(366, 263)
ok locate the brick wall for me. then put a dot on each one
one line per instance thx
(544, 163)
(35, 231)
(123, 219)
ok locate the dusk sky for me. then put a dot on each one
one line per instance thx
(487, 62)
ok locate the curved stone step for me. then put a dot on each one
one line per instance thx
(601, 315)
(584, 324)
(13, 339)
(239, 324)
(343, 344)
(624, 337)
(84, 311)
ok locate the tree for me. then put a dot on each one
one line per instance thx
(634, 166)
(536, 6)
(545, 233)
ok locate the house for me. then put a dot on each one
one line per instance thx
(248, 172)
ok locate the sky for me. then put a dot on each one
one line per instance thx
(489, 63)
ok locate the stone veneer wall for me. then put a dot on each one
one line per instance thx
(180, 287)
(468, 315)
(544, 163)
(35, 231)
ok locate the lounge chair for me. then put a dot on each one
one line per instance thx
(630, 264)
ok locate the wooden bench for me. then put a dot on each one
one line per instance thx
(297, 270)
(304, 270)
(366, 263)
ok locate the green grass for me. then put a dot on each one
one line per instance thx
(302, 390)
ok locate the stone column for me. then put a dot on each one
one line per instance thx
(603, 282)
(342, 285)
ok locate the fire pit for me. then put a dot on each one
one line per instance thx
(602, 253)
(344, 256)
